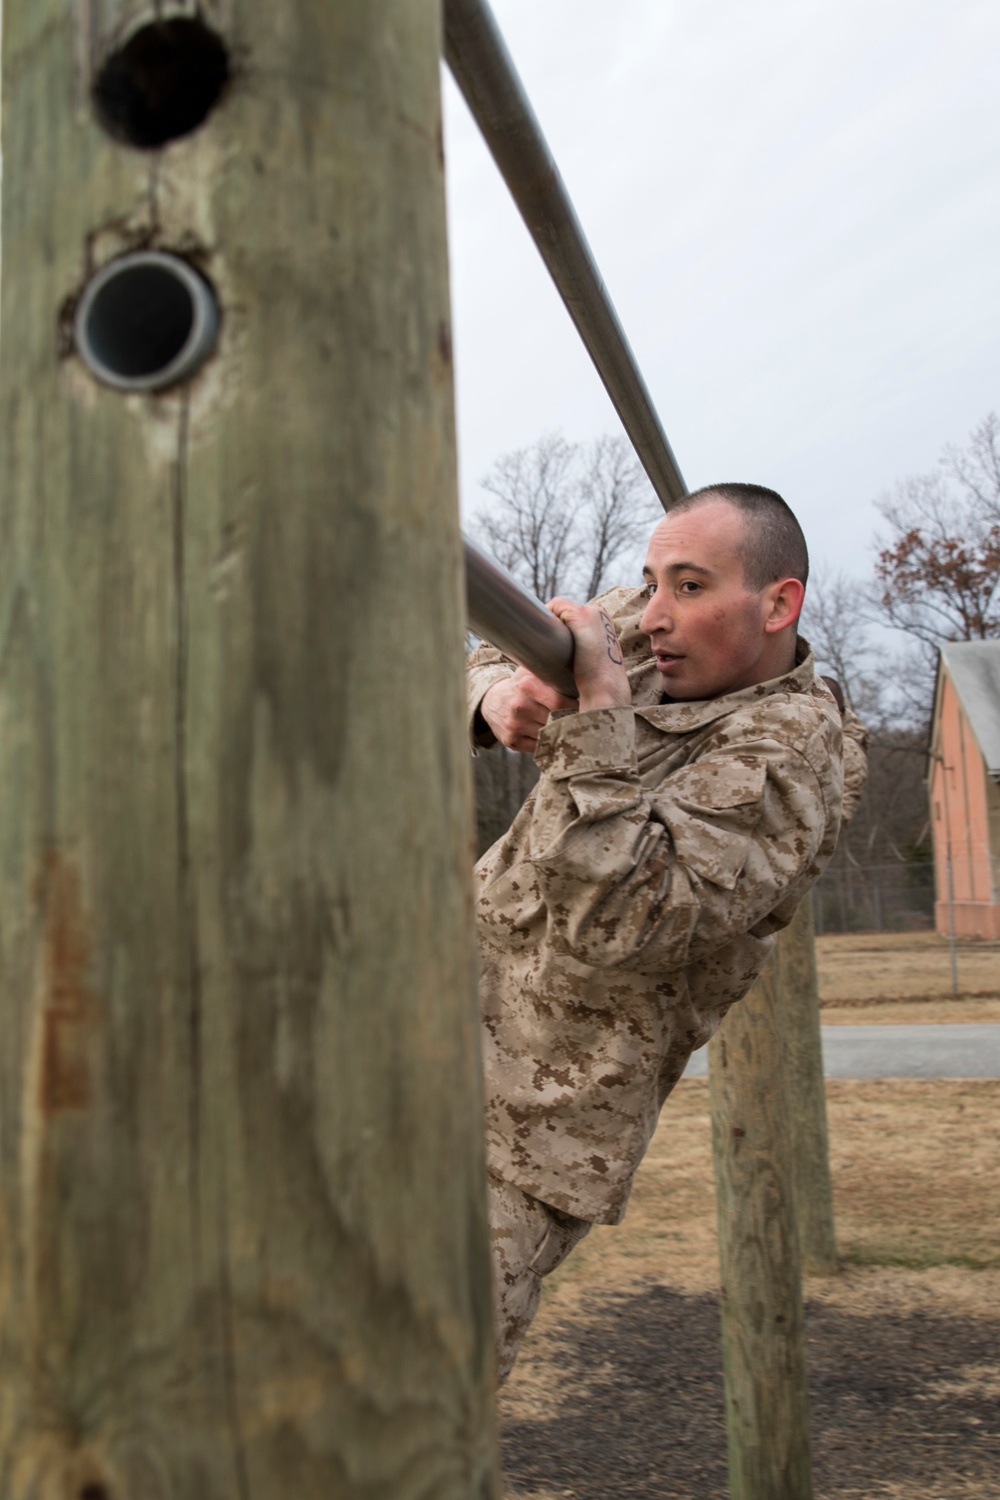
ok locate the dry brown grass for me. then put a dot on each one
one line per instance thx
(906, 976)
(916, 1185)
(917, 1205)
(917, 1202)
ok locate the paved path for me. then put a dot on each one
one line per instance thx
(962, 1050)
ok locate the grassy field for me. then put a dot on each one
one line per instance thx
(618, 1391)
(906, 976)
(898, 1148)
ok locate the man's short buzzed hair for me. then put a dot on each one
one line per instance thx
(773, 546)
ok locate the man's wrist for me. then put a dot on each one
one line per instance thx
(616, 696)
(481, 679)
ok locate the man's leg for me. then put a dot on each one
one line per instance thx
(530, 1239)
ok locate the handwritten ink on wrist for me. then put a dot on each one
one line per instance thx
(614, 649)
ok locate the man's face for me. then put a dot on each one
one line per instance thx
(709, 633)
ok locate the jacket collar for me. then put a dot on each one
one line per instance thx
(678, 718)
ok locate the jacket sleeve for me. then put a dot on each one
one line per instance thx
(646, 879)
(855, 762)
(484, 666)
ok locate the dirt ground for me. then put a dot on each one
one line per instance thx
(618, 1392)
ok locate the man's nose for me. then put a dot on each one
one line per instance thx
(656, 615)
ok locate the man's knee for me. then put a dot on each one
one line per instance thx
(530, 1239)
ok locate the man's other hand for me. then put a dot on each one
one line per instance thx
(517, 708)
(598, 665)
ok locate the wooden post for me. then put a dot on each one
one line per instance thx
(793, 964)
(243, 1246)
(767, 1403)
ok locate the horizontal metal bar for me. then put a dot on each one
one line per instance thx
(482, 68)
(510, 618)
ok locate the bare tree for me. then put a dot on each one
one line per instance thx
(837, 623)
(976, 468)
(569, 517)
(880, 866)
(888, 688)
(937, 578)
(938, 571)
(617, 509)
(531, 531)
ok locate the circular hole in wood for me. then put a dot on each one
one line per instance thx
(146, 321)
(162, 83)
(94, 1492)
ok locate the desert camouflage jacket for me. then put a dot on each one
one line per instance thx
(855, 762)
(632, 901)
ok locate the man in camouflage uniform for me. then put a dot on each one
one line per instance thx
(686, 804)
(855, 752)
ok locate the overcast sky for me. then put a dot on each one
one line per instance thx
(795, 207)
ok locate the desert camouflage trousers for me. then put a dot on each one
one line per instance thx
(529, 1239)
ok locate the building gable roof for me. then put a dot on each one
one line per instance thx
(974, 669)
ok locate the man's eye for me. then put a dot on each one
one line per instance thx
(689, 586)
(648, 590)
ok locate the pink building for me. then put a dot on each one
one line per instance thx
(964, 779)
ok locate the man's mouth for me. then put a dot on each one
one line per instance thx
(666, 659)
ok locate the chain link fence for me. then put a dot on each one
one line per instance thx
(884, 897)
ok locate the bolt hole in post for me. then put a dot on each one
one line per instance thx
(162, 83)
(146, 321)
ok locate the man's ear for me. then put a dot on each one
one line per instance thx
(785, 600)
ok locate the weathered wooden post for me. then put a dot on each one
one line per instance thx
(242, 1230)
(797, 995)
(767, 1401)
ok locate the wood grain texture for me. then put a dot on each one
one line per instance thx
(243, 1249)
(797, 994)
(767, 1404)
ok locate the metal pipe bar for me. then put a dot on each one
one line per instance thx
(512, 619)
(482, 67)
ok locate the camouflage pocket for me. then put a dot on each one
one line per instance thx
(711, 813)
